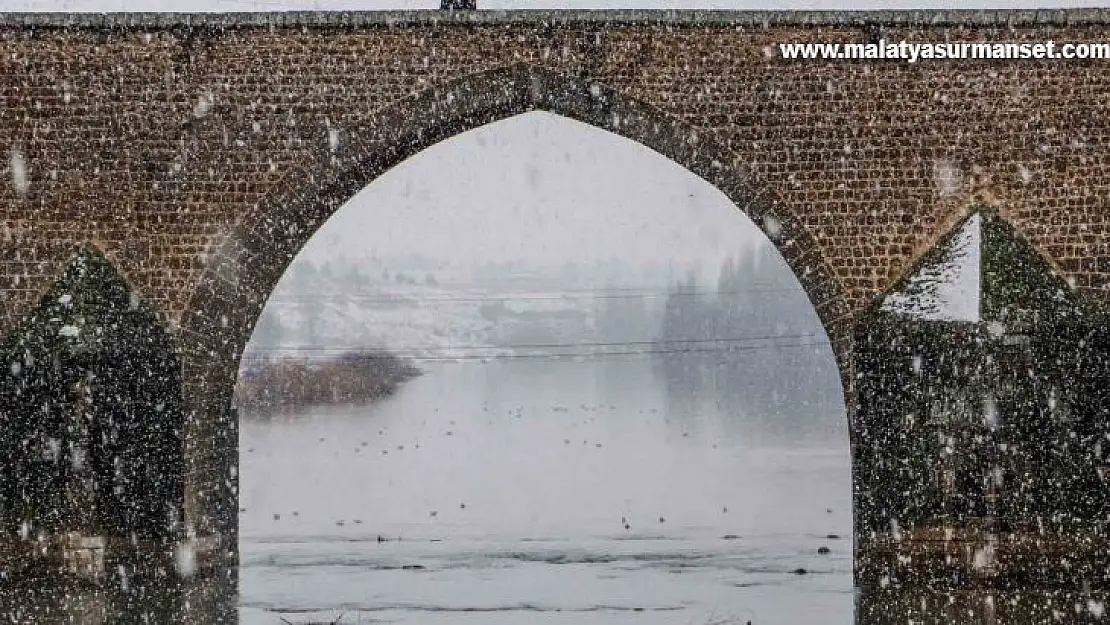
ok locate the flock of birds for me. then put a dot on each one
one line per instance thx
(515, 413)
(625, 522)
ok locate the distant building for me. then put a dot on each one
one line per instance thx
(451, 5)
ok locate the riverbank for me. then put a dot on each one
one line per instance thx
(289, 384)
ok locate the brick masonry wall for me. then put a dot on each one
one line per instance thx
(194, 150)
(154, 142)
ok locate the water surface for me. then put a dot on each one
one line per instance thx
(521, 491)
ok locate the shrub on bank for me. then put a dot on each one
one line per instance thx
(288, 384)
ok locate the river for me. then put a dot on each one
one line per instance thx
(609, 490)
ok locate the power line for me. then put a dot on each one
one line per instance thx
(258, 356)
(646, 352)
(655, 288)
(566, 295)
(595, 355)
(522, 346)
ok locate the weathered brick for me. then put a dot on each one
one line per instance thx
(173, 143)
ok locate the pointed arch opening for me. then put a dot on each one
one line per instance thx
(255, 254)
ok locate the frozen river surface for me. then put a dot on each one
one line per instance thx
(502, 492)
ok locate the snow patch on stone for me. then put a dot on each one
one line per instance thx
(948, 290)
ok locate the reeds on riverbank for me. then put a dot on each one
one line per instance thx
(289, 383)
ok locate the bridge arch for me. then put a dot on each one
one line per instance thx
(246, 265)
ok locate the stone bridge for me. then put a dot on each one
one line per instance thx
(191, 156)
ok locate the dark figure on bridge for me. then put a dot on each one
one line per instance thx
(450, 5)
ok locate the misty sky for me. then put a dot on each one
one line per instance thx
(544, 189)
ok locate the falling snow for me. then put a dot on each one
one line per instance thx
(19, 176)
(946, 177)
(204, 104)
(613, 397)
(772, 226)
(185, 558)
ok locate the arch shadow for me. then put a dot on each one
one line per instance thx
(248, 263)
(91, 421)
